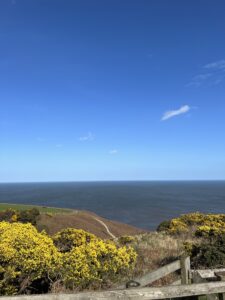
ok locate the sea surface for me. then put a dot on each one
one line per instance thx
(141, 203)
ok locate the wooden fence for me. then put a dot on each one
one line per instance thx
(192, 283)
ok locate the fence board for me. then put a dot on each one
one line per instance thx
(135, 294)
(185, 269)
(157, 274)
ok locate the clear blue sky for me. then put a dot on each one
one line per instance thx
(112, 90)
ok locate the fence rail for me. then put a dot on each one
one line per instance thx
(135, 294)
(193, 283)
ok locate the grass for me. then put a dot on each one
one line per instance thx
(154, 251)
(42, 209)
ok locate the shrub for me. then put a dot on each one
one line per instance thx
(68, 238)
(164, 226)
(197, 223)
(126, 239)
(30, 262)
(25, 256)
(96, 262)
(210, 253)
(23, 216)
(9, 215)
(29, 216)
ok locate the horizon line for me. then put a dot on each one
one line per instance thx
(113, 180)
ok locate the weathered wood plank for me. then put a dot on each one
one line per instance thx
(185, 269)
(157, 274)
(200, 276)
(221, 276)
(177, 282)
(135, 294)
(208, 273)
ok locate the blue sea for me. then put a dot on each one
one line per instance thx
(140, 203)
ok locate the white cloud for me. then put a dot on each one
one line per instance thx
(199, 79)
(216, 75)
(216, 65)
(89, 137)
(113, 151)
(172, 113)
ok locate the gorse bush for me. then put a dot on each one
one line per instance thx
(96, 262)
(25, 256)
(9, 215)
(31, 262)
(88, 259)
(23, 216)
(207, 253)
(29, 216)
(126, 240)
(69, 238)
(197, 223)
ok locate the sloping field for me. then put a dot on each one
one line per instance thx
(42, 209)
(87, 221)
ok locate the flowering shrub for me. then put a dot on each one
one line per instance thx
(96, 262)
(68, 238)
(199, 224)
(126, 239)
(23, 216)
(30, 259)
(25, 256)
(88, 259)
(9, 215)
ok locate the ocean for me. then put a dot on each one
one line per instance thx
(140, 203)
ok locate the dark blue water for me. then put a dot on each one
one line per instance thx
(142, 204)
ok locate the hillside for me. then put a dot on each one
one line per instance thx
(53, 220)
(87, 221)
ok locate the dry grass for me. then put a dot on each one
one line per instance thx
(154, 251)
(84, 220)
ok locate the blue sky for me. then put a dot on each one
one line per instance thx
(112, 90)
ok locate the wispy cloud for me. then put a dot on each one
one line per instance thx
(89, 137)
(212, 74)
(113, 151)
(216, 65)
(172, 113)
(199, 79)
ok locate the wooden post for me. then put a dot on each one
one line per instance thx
(201, 276)
(221, 276)
(185, 269)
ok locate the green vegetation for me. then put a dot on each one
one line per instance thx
(33, 262)
(203, 237)
(207, 253)
(197, 224)
(42, 209)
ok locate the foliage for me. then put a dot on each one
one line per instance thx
(68, 238)
(25, 256)
(126, 239)
(75, 258)
(209, 253)
(96, 262)
(199, 224)
(42, 209)
(163, 226)
(23, 216)
(9, 215)
(29, 216)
